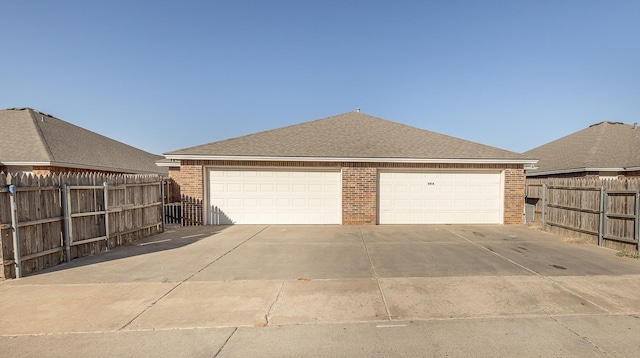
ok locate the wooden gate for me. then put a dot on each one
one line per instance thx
(85, 221)
(619, 217)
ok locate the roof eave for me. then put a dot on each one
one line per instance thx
(351, 159)
(576, 170)
(171, 164)
(76, 166)
(25, 163)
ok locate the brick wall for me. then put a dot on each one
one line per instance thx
(191, 181)
(359, 196)
(359, 182)
(514, 180)
(632, 174)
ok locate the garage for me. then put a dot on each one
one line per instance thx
(440, 197)
(272, 196)
(349, 169)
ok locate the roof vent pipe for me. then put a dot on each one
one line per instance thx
(358, 109)
(635, 125)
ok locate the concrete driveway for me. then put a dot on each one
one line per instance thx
(443, 291)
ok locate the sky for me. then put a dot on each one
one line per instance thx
(165, 75)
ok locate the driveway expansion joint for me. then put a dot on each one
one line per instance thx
(226, 253)
(375, 276)
(188, 278)
(559, 284)
(580, 336)
(235, 329)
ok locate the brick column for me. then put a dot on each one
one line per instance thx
(359, 196)
(514, 182)
(191, 180)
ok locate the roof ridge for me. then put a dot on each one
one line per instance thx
(607, 122)
(43, 139)
(264, 131)
(348, 135)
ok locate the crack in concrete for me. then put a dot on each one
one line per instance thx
(188, 278)
(225, 342)
(375, 276)
(267, 316)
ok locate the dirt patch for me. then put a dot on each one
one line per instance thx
(575, 240)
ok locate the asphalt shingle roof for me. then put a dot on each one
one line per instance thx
(349, 135)
(603, 145)
(35, 137)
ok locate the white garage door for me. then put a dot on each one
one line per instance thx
(440, 198)
(274, 197)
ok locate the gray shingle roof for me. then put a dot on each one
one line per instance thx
(605, 145)
(349, 135)
(30, 136)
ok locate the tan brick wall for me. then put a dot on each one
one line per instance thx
(359, 203)
(359, 196)
(514, 180)
(191, 181)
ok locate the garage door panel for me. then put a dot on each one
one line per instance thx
(440, 198)
(275, 197)
(250, 188)
(267, 188)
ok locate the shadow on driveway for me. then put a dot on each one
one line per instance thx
(174, 237)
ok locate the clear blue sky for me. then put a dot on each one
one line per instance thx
(165, 75)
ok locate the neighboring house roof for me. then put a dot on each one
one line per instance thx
(349, 136)
(33, 138)
(605, 146)
(169, 163)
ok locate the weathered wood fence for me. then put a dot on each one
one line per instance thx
(606, 212)
(57, 218)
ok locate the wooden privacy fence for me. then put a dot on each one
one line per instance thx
(606, 212)
(47, 220)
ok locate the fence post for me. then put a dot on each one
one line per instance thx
(637, 221)
(66, 212)
(601, 216)
(544, 205)
(163, 204)
(105, 192)
(14, 230)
